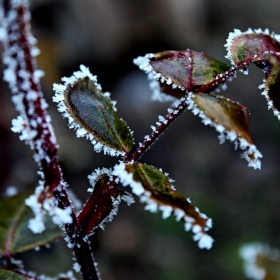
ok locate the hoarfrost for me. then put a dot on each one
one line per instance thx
(62, 216)
(115, 203)
(36, 224)
(269, 101)
(152, 205)
(143, 62)
(59, 216)
(127, 179)
(76, 267)
(59, 98)
(250, 252)
(236, 33)
(166, 211)
(93, 178)
(251, 150)
(18, 124)
(205, 241)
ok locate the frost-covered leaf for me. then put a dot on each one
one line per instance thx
(261, 262)
(15, 236)
(102, 205)
(155, 189)
(92, 113)
(262, 49)
(10, 275)
(180, 70)
(243, 46)
(270, 64)
(231, 120)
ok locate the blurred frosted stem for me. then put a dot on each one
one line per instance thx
(34, 123)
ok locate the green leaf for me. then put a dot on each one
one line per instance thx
(15, 236)
(95, 113)
(10, 275)
(242, 46)
(231, 120)
(262, 49)
(270, 64)
(181, 70)
(155, 189)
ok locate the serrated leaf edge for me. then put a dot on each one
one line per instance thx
(237, 32)
(269, 101)
(62, 108)
(143, 62)
(224, 134)
(205, 241)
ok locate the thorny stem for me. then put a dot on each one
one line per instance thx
(16, 19)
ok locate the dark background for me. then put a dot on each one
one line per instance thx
(106, 35)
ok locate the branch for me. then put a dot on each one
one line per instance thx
(34, 123)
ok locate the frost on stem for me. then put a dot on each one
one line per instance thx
(155, 190)
(231, 121)
(92, 114)
(33, 124)
(59, 216)
(23, 77)
(260, 261)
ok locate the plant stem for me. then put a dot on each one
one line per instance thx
(23, 80)
(158, 131)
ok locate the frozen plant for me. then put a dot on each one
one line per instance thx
(186, 78)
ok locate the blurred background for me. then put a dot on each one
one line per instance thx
(105, 36)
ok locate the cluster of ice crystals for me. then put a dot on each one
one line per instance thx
(36, 224)
(115, 203)
(250, 149)
(269, 101)
(20, 48)
(204, 240)
(95, 175)
(126, 179)
(62, 108)
(155, 78)
(237, 33)
(76, 267)
(250, 252)
(59, 216)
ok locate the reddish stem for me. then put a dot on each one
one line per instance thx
(44, 143)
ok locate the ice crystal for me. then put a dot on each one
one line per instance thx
(268, 99)
(250, 253)
(152, 205)
(59, 216)
(23, 78)
(143, 62)
(236, 33)
(250, 149)
(95, 175)
(127, 179)
(62, 108)
(115, 203)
